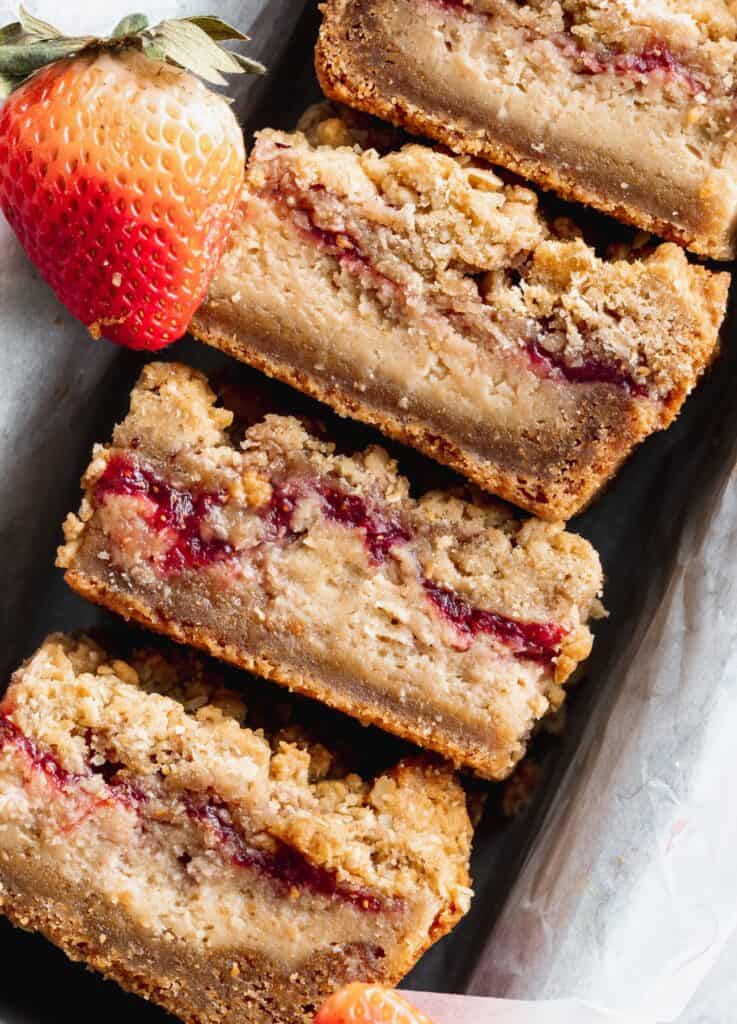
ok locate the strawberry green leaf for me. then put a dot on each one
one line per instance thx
(190, 43)
(7, 85)
(190, 48)
(21, 59)
(153, 49)
(251, 67)
(35, 27)
(216, 28)
(12, 33)
(129, 26)
(218, 57)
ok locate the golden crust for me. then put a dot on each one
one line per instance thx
(342, 81)
(248, 990)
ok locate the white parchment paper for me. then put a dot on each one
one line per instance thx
(628, 889)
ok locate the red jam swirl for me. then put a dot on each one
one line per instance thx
(588, 371)
(381, 530)
(120, 787)
(534, 641)
(456, 6)
(284, 865)
(178, 512)
(40, 760)
(654, 59)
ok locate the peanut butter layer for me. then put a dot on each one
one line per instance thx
(417, 292)
(626, 108)
(446, 621)
(148, 832)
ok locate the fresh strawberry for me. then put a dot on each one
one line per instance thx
(368, 1004)
(119, 170)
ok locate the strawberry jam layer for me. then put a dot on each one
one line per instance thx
(588, 371)
(41, 761)
(182, 512)
(381, 530)
(656, 59)
(535, 641)
(283, 865)
(174, 511)
(345, 248)
(531, 640)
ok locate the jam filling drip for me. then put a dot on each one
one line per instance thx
(175, 511)
(589, 371)
(535, 641)
(283, 865)
(381, 530)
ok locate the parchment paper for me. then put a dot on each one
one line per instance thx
(612, 897)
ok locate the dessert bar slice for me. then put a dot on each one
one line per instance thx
(416, 292)
(224, 873)
(451, 624)
(627, 107)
